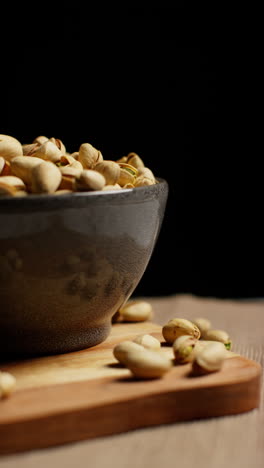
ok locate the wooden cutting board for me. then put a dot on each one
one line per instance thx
(86, 394)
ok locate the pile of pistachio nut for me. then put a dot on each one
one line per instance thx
(45, 167)
(192, 342)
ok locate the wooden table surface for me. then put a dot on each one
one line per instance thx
(236, 441)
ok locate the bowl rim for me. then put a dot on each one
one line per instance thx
(48, 201)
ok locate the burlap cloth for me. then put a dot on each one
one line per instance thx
(231, 441)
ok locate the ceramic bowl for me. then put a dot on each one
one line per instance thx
(67, 263)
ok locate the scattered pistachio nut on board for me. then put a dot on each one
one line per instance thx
(203, 324)
(209, 359)
(183, 348)
(7, 384)
(84, 170)
(148, 364)
(147, 341)
(136, 311)
(218, 335)
(177, 327)
(122, 350)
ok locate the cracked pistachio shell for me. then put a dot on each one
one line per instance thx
(89, 156)
(45, 177)
(135, 160)
(122, 350)
(40, 140)
(57, 142)
(127, 175)
(183, 348)
(209, 359)
(110, 170)
(148, 364)
(177, 327)
(90, 180)
(203, 324)
(147, 341)
(136, 311)
(7, 384)
(48, 151)
(10, 147)
(68, 160)
(218, 335)
(28, 150)
(22, 167)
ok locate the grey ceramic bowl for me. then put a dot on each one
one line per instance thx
(67, 263)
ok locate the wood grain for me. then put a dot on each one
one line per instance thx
(87, 394)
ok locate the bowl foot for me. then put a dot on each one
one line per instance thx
(63, 341)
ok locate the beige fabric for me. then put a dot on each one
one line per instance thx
(231, 441)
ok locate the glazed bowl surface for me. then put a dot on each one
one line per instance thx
(67, 263)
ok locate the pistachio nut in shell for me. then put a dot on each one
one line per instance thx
(68, 160)
(209, 359)
(127, 175)
(40, 140)
(46, 178)
(12, 181)
(218, 335)
(89, 156)
(59, 144)
(70, 171)
(123, 159)
(203, 324)
(22, 166)
(146, 172)
(122, 350)
(143, 181)
(110, 170)
(135, 160)
(183, 348)
(148, 364)
(90, 180)
(10, 147)
(7, 384)
(49, 152)
(147, 341)
(30, 149)
(136, 311)
(177, 327)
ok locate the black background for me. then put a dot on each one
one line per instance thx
(179, 87)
